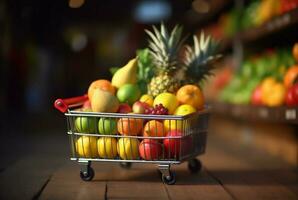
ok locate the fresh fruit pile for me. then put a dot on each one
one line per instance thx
(159, 81)
(269, 79)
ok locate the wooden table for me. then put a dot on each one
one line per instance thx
(41, 170)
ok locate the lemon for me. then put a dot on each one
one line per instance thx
(184, 109)
(168, 100)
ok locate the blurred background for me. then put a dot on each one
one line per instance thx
(55, 49)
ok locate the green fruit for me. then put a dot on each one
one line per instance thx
(128, 93)
(107, 126)
(86, 124)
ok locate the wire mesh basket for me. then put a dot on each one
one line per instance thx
(134, 138)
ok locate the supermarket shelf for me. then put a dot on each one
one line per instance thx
(276, 24)
(273, 26)
(257, 113)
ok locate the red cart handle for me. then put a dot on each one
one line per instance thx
(63, 104)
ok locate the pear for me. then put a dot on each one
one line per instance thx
(126, 74)
(103, 101)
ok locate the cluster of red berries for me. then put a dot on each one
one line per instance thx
(157, 110)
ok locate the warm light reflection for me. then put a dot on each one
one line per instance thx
(76, 3)
(201, 6)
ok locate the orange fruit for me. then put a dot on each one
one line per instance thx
(129, 126)
(295, 51)
(191, 95)
(290, 76)
(154, 128)
(101, 84)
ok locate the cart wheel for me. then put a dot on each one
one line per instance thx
(125, 165)
(169, 180)
(194, 165)
(87, 176)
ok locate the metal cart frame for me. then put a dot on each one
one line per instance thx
(187, 146)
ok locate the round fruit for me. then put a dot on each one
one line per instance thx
(107, 126)
(128, 148)
(172, 125)
(129, 126)
(86, 124)
(103, 101)
(184, 109)
(150, 149)
(124, 108)
(128, 93)
(86, 147)
(154, 128)
(290, 76)
(172, 145)
(191, 95)
(148, 99)
(168, 100)
(107, 147)
(101, 84)
(295, 51)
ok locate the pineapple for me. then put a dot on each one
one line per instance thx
(198, 60)
(164, 48)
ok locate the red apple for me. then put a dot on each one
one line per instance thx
(150, 149)
(172, 145)
(139, 107)
(124, 108)
(87, 104)
(256, 97)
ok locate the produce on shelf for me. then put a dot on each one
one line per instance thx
(292, 95)
(272, 92)
(290, 76)
(295, 52)
(263, 79)
(254, 14)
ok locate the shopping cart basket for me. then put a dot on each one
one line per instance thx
(124, 138)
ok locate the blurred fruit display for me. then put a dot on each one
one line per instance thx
(262, 79)
(254, 14)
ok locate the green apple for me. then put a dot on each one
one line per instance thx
(107, 147)
(128, 93)
(107, 126)
(86, 124)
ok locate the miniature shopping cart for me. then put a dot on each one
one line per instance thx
(85, 135)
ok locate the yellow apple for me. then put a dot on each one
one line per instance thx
(107, 147)
(86, 147)
(128, 148)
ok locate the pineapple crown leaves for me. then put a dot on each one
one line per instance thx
(198, 60)
(164, 47)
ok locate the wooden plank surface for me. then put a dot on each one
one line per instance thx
(245, 175)
(231, 171)
(65, 183)
(196, 186)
